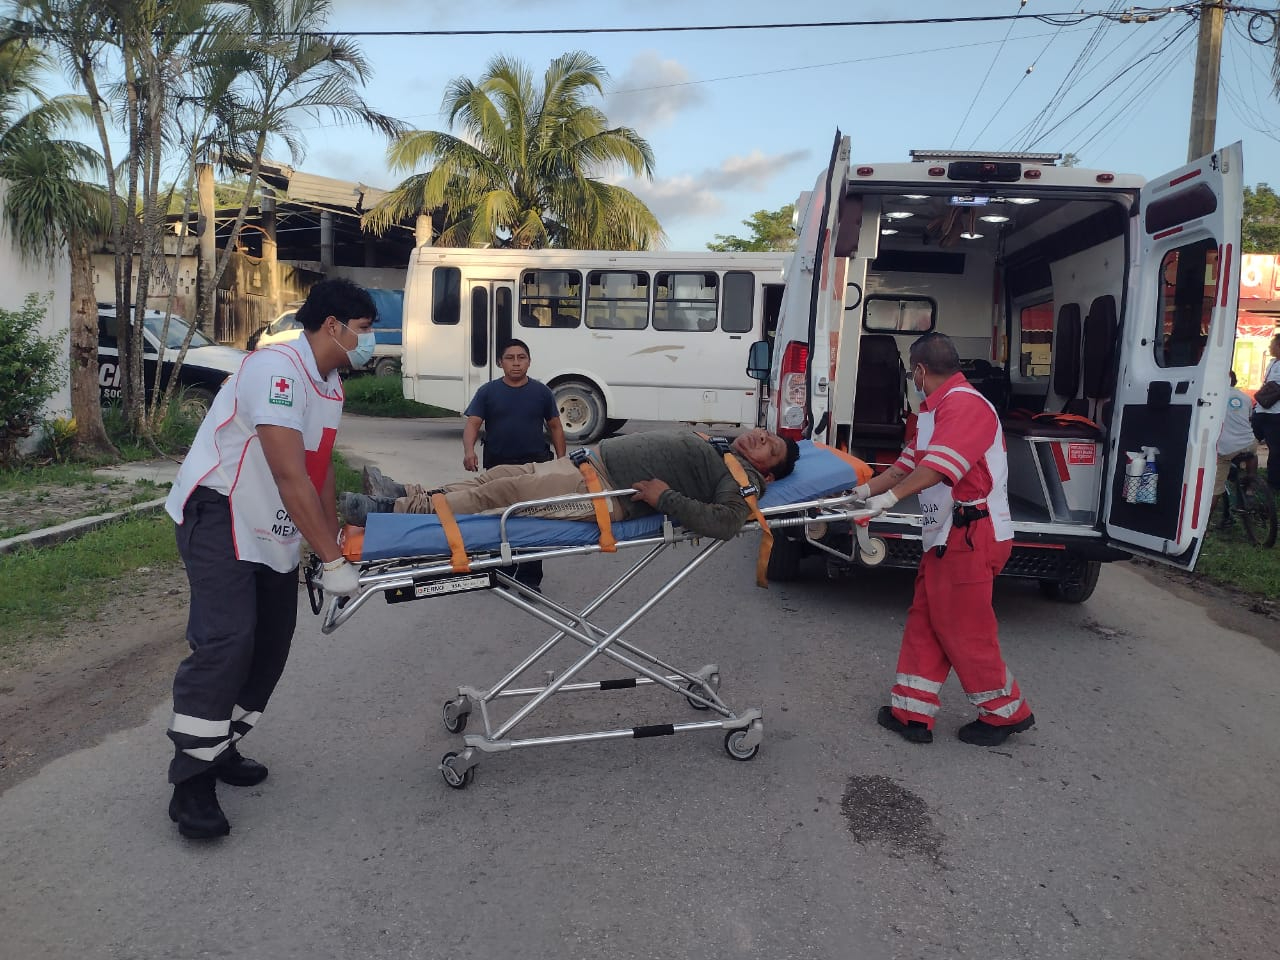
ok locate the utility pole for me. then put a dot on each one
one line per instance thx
(1204, 89)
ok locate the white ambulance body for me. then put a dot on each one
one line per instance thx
(1096, 311)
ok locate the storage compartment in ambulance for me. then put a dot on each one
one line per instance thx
(1095, 312)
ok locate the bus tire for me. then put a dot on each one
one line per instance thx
(784, 559)
(615, 425)
(582, 412)
(1077, 586)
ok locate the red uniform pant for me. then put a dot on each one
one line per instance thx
(951, 624)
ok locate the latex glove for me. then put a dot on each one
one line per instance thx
(340, 578)
(882, 501)
(862, 491)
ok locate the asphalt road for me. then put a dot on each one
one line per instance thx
(1134, 821)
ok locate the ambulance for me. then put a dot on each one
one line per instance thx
(1095, 310)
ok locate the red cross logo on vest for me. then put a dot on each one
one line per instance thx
(318, 459)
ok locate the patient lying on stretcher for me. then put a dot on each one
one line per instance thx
(679, 474)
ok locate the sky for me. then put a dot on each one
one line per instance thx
(741, 121)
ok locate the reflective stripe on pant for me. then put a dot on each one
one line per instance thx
(951, 625)
(239, 628)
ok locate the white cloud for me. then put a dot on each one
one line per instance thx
(688, 196)
(651, 92)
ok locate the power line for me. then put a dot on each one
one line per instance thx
(991, 66)
(1014, 89)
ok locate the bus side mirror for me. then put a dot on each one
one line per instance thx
(758, 361)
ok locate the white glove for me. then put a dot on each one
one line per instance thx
(862, 491)
(340, 578)
(882, 501)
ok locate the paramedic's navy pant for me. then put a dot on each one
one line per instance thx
(239, 628)
(530, 571)
(951, 625)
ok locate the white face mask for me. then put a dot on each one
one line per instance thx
(919, 389)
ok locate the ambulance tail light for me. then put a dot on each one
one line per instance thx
(793, 390)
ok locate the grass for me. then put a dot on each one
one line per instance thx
(382, 397)
(79, 577)
(1229, 559)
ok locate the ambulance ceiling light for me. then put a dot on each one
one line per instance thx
(993, 218)
(970, 236)
(888, 232)
(898, 215)
(1023, 201)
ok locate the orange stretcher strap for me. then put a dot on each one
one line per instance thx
(457, 550)
(351, 540)
(766, 535)
(601, 506)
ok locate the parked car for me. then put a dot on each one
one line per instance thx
(386, 352)
(206, 366)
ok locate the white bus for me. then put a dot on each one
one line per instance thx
(616, 335)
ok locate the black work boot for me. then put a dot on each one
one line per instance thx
(194, 808)
(913, 731)
(375, 484)
(356, 507)
(239, 771)
(983, 734)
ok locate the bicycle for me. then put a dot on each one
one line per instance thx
(1251, 498)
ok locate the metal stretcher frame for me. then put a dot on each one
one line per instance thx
(414, 578)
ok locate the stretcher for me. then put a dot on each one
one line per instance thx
(405, 557)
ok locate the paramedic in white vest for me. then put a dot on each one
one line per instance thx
(958, 467)
(257, 481)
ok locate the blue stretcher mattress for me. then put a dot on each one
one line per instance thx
(388, 536)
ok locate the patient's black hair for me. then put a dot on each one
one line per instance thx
(789, 462)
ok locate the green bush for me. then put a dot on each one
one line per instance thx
(32, 369)
(383, 397)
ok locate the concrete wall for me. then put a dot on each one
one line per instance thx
(51, 279)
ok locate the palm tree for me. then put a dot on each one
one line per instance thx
(47, 206)
(290, 70)
(525, 169)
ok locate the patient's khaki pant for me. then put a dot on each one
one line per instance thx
(496, 489)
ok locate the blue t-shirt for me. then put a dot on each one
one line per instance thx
(514, 418)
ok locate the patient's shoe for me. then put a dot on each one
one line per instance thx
(355, 507)
(378, 485)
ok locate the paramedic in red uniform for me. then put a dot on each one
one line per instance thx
(257, 481)
(957, 465)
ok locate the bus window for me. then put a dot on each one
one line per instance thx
(501, 316)
(1189, 279)
(479, 327)
(684, 301)
(739, 300)
(617, 300)
(550, 298)
(446, 295)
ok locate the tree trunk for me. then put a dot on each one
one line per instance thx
(86, 406)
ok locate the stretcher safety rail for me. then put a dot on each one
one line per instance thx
(407, 557)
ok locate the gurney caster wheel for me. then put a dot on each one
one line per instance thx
(455, 717)
(702, 690)
(459, 781)
(733, 746)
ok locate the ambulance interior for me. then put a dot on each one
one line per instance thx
(1030, 289)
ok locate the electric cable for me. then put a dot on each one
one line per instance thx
(991, 66)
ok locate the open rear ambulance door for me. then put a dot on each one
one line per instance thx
(1175, 353)
(802, 352)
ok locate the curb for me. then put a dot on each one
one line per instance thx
(75, 528)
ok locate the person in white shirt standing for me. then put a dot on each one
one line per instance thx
(257, 481)
(1266, 417)
(1235, 438)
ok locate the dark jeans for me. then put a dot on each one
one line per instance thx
(530, 571)
(1269, 426)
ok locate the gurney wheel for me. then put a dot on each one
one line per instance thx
(733, 746)
(454, 721)
(702, 690)
(459, 781)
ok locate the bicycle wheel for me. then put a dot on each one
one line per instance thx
(1258, 511)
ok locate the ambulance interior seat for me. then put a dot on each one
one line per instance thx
(989, 380)
(880, 393)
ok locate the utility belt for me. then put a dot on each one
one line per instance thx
(964, 515)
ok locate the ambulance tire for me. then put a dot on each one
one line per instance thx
(784, 559)
(1077, 586)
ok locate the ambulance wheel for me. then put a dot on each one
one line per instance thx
(1078, 584)
(784, 559)
(459, 781)
(582, 412)
(733, 746)
(454, 721)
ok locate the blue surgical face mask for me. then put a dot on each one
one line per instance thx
(363, 351)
